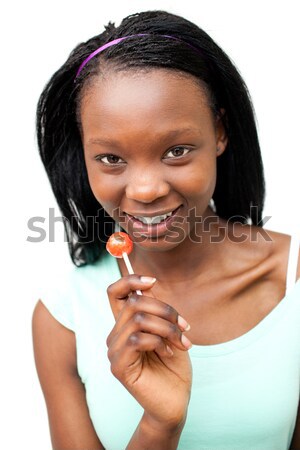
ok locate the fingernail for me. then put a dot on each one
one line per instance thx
(169, 350)
(183, 323)
(186, 342)
(148, 280)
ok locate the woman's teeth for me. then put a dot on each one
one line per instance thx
(153, 220)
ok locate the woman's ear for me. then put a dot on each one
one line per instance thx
(221, 135)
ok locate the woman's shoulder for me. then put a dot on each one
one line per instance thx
(78, 289)
(285, 253)
(264, 250)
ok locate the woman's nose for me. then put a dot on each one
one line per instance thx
(146, 187)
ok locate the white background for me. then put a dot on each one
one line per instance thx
(262, 38)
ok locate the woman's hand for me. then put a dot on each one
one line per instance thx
(148, 352)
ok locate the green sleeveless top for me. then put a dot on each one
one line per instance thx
(245, 392)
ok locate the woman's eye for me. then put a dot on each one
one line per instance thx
(177, 152)
(109, 159)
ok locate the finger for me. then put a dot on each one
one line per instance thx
(136, 304)
(149, 323)
(121, 289)
(126, 358)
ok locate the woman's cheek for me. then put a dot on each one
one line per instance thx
(106, 191)
(199, 181)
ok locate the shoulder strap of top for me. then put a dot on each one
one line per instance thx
(292, 262)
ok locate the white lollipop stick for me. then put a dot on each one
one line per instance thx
(129, 268)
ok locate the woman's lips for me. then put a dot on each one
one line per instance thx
(154, 230)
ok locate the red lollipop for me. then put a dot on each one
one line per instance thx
(120, 245)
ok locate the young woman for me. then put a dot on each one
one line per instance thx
(149, 127)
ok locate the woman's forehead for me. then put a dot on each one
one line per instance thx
(155, 96)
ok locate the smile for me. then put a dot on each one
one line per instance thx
(153, 219)
(156, 223)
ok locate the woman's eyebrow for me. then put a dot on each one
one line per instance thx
(178, 131)
(103, 141)
(160, 136)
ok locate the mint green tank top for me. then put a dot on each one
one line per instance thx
(245, 392)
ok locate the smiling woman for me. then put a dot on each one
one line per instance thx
(149, 127)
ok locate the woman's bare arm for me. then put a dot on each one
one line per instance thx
(295, 444)
(55, 355)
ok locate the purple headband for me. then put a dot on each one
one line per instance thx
(116, 41)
